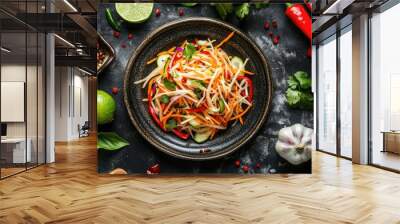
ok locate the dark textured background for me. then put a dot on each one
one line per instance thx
(285, 58)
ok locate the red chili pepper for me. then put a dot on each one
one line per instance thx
(245, 168)
(130, 36)
(151, 109)
(299, 16)
(180, 134)
(250, 84)
(196, 110)
(155, 169)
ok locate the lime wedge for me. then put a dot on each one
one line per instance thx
(189, 4)
(134, 12)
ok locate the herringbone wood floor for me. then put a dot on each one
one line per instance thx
(71, 191)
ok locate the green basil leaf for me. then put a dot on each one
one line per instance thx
(190, 49)
(164, 99)
(171, 124)
(110, 141)
(169, 85)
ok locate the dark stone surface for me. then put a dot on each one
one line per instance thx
(285, 58)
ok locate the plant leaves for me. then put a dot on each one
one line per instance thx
(242, 10)
(224, 9)
(169, 85)
(171, 124)
(190, 49)
(110, 141)
(304, 80)
(292, 83)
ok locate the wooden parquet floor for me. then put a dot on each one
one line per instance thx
(71, 191)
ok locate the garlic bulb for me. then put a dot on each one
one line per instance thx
(294, 144)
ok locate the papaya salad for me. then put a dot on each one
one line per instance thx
(197, 89)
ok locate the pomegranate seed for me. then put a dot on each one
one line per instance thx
(123, 45)
(274, 23)
(130, 36)
(158, 12)
(116, 34)
(237, 163)
(154, 169)
(115, 90)
(181, 12)
(309, 52)
(270, 34)
(276, 39)
(245, 168)
(258, 165)
(266, 25)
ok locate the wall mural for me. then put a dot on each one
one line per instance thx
(204, 88)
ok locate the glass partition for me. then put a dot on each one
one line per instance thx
(385, 89)
(22, 87)
(327, 95)
(346, 92)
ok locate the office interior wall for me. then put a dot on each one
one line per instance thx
(71, 102)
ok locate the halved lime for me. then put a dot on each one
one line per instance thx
(134, 12)
(189, 4)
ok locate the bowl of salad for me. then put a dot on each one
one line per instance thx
(197, 88)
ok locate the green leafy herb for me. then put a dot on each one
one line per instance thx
(198, 93)
(224, 9)
(298, 94)
(110, 141)
(190, 49)
(169, 85)
(242, 11)
(292, 82)
(304, 79)
(164, 99)
(171, 124)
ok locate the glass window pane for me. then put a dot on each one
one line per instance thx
(385, 84)
(327, 96)
(346, 94)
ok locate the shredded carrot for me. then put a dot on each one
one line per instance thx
(226, 39)
(151, 61)
(199, 88)
(247, 72)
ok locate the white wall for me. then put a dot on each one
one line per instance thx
(70, 84)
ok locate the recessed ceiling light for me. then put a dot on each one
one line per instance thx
(70, 5)
(5, 50)
(65, 41)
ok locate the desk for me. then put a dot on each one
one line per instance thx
(16, 147)
(391, 141)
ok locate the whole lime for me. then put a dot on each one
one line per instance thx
(134, 12)
(105, 107)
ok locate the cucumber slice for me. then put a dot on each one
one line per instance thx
(194, 123)
(162, 59)
(237, 62)
(202, 137)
